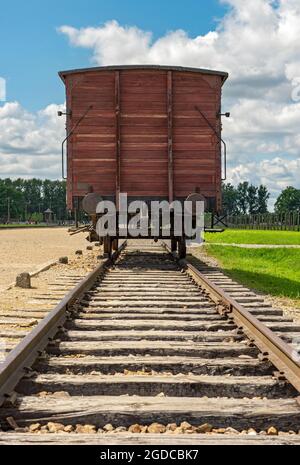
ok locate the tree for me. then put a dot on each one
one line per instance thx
(242, 197)
(21, 198)
(245, 198)
(252, 199)
(289, 200)
(229, 195)
(262, 198)
(10, 200)
(33, 191)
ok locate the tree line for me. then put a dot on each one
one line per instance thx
(27, 199)
(249, 199)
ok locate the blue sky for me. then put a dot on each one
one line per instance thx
(32, 51)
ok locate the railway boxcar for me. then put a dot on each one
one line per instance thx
(152, 132)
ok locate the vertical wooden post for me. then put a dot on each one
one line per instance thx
(170, 137)
(118, 137)
(69, 152)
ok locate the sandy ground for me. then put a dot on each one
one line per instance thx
(22, 309)
(26, 250)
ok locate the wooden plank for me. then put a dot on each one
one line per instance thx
(145, 126)
(207, 350)
(21, 322)
(135, 335)
(145, 439)
(146, 130)
(95, 138)
(143, 138)
(118, 137)
(68, 156)
(125, 305)
(170, 137)
(174, 364)
(101, 410)
(18, 314)
(151, 385)
(16, 334)
(151, 324)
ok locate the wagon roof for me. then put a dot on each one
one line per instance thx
(224, 75)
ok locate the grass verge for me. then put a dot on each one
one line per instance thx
(271, 271)
(241, 236)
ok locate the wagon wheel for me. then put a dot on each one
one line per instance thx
(173, 244)
(182, 248)
(107, 243)
(115, 244)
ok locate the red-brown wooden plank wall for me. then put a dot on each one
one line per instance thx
(143, 130)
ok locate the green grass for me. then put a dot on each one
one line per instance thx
(241, 236)
(272, 271)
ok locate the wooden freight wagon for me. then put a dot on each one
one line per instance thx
(153, 132)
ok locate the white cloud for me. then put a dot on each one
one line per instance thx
(254, 42)
(257, 42)
(30, 143)
(276, 173)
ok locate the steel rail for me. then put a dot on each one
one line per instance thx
(21, 358)
(272, 347)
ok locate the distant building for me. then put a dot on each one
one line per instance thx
(48, 216)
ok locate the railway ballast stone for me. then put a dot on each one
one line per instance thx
(86, 429)
(171, 427)
(35, 427)
(251, 432)
(230, 430)
(185, 426)
(24, 281)
(108, 428)
(135, 429)
(205, 428)
(55, 427)
(156, 428)
(272, 431)
(120, 429)
(69, 429)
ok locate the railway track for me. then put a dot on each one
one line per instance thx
(148, 345)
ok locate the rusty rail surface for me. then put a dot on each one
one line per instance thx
(272, 347)
(20, 359)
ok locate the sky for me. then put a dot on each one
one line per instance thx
(257, 42)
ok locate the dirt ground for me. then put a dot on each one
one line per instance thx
(26, 250)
